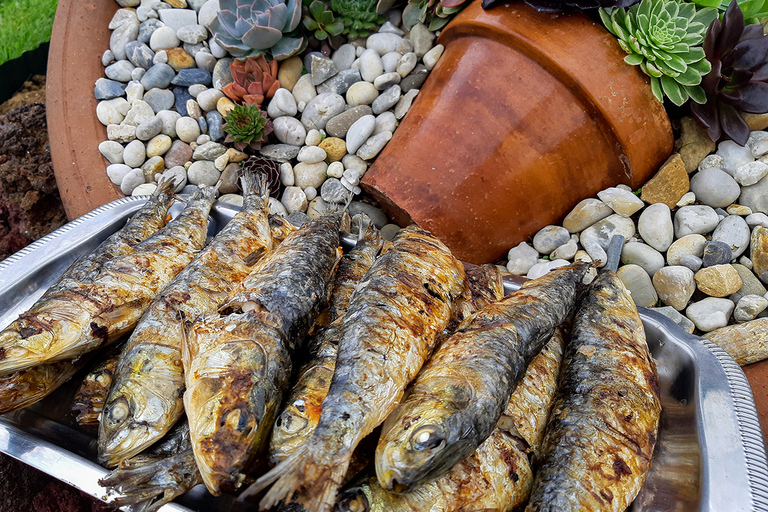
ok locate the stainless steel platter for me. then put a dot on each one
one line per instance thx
(710, 456)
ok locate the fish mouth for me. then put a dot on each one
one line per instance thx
(392, 480)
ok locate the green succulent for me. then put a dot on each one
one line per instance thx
(664, 38)
(433, 13)
(358, 16)
(753, 10)
(321, 22)
(247, 126)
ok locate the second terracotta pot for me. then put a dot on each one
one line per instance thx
(525, 115)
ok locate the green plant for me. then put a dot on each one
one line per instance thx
(247, 126)
(751, 9)
(320, 21)
(358, 16)
(664, 38)
(24, 25)
(248, 28)
(739, 77)
(433, 13)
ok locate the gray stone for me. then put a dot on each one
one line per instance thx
(139, 54)
(750, 284)
(289, 130)
(406, 64)
(192, 34)
(595, 239)
(140, 112)
(121, 36)
(341, 82)
(320, 109)
(386, 100)
(106, 89)
(182, 97)
(123, 17)
(209, 151)
(221, 75)
(344, 57)
(550, 238)
(415, 79)
(149, 128)
(294, 199)
(304, 91)
(112, 111)
(543, 268)
(202, 125)
(187, 129)
(734, 232)
(734, 156)
(390, 61)
(692, 262)
(203, 172)
(308, 60)
(373, 145)
(131, 180)
(645, 256)
(159, 99)
(748, 307)
(361, 93)
(169, 118)
(385, 122)
(280, 152)
(695, 219)
(405, 102)
(134, 91)
(423, 40)
(623, 202)
(164, 37)
(112, 151)
(655, 226)
(750, 173)
(565, 252)
(117, 172)
(676, 317)
(233, 199)
(120, 71)
(322, 69)
(370, 65)
(134, 153)
(586, 213)
(215, 125)
(107, 57)
(137, 74)
(636, 279)
(432, 56)
(158, 76)
(340, 124)
(376, 215)
(147, 28)
(714, 188)
(193, 109)
(756, 196)
(282, 104)
(674, 286)
(757, 219)
(311, 154)
(216, 50)
(121, 133)
(310, 175)
(716, 253)
(390, 28)
(333, 191)
(710, 313)
(208, 98)
(192, 76)
(207, 13)
(359, 132)
(176, 19)
(206, 61)
(383, 42)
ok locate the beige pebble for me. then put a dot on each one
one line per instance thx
(718, 280)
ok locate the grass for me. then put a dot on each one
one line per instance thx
(24, 25)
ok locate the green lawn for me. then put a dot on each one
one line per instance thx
(24, 25)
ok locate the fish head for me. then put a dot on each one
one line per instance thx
(355, 499)
(425, 435)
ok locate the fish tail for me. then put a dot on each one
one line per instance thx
(205, 192)
(255, 184)
(165, 186)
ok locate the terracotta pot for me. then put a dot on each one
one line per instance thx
(80, 35)
(524, 115)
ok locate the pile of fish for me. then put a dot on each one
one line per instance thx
(388, 378)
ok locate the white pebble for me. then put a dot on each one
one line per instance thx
(311, 154)
(314, 137)
(117, 172)
(112, 151)
(335, 169)
(131, 180)
(134, 153)
(310, 192)
(286, 174)
(187, 129)
(432, 56)
(145, 189)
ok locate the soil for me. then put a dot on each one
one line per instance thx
(30, 208)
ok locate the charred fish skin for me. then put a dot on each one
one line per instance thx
(238, 364)
(84, 316)
(462, 391)
(394, 318)
(146, 399)
(603, 427)
(26, 387)
(90, 397)
(497, 476)
(302, 410)
(152, 479)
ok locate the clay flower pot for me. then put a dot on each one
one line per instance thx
(524, 115)
(80, 35)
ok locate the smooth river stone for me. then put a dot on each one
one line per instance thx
(710, 313)
(655, 226)
(586, 213)
(746, 343)
(733, 231)
(718, 280)
(675, 286)
(321, 109)
(595, 239)
(759, 250)
(639, 284)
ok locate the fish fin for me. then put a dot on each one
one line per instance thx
(165, 186)
(205, 192)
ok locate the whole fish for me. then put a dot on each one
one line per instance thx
(146, 398)
(460, 394)
(26, 387)
(237, 362)
(89, 399)
(394, 318)
(602, 431)
(82, 316)
(153, 478)
(497, 476)
(302, 410)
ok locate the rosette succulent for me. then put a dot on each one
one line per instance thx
(247, 127)
(433, 13)
(664, 38)
(751, 9)
(259, 164)
(358, 16)
(253, 80)
(248, 28)
(320, 21)
(739, 77)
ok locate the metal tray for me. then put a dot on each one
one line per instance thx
(710, 455)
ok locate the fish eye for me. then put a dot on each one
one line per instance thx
(118, 412)
(353, 501)
(427, 437)
(290, 423)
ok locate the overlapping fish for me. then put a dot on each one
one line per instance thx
(460, 394)
(602, 431)
(237, 363)
(302, 410)
(146, 398)
(90, 397)
(497, 476)
(78, 316)
(395, 316)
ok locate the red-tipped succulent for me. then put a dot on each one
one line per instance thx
(253, 80)
(739, 77)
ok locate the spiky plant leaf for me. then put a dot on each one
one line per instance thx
(247, 126)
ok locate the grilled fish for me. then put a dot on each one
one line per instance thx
(146, 398)
(603, 427)
(26, 387)
(497, 476)
(237, 362)
(152, 479)
(460, 394)
(302, 411)
(82, 316)
(89, 399)
(394, 318)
